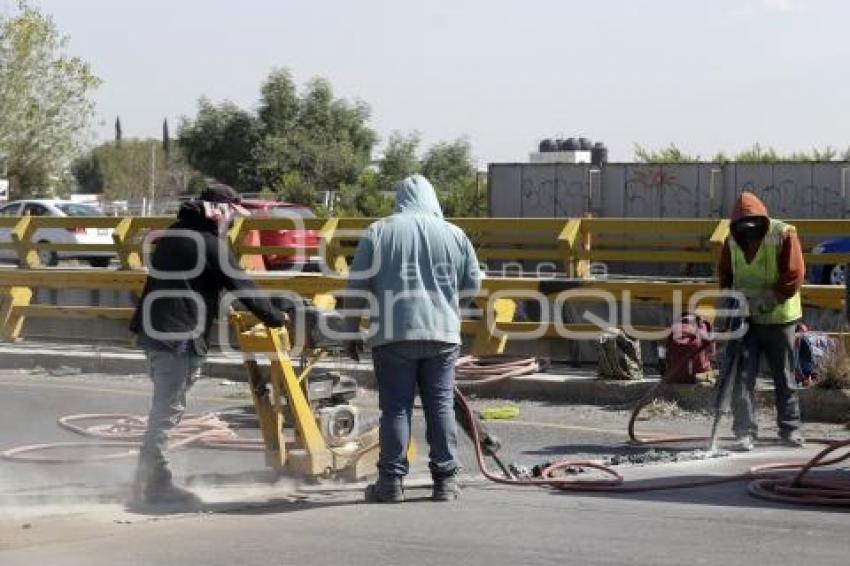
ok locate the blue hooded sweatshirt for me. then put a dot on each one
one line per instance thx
(419, 268)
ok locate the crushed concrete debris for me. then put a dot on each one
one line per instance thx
(651, 456)
(654, 456)
(64, 370)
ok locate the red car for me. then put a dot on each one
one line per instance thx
(309, 260)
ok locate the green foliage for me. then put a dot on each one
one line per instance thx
(753, 154)
(293, 145)
(449, 164)
(757, 154)
(450, 168)
(166, 140)
(124, 172)
(220, 142)
(293, 188)
(88, 173)
(465, 199)
(669, 154)
(399, 160)
(363, 198)
(44, 101)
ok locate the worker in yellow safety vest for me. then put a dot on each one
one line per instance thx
(762, 259)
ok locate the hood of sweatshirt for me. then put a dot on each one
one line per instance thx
(748, 205)
(416, 195)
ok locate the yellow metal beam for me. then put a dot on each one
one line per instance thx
(21, 236)
(11, 322)
(485, 342)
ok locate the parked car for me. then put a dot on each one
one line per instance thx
(827, 274)
(78, 235)
(309, 261)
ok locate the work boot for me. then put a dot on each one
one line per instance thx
(445, 489)
(154, 486)
(385, 490)
(744, 443)
(794, 439)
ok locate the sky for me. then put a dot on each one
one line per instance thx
(707, 75)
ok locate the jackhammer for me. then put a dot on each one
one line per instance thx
(730, 370)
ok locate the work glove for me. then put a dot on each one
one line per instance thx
(763, 303)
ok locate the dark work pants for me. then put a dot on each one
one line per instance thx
(776, 342)
(401, 368)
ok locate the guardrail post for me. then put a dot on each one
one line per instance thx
(334, 260)
(21, 236)
(234, 238)
(122, 235)
(331, 257)
(12, 323)
(567, 244)
(485, 342)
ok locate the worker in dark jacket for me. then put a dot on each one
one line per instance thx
(189, 268)
(763, 260)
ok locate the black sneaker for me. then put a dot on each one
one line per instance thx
(153, 485)
(169, 494)
(385, 490)
(445, 489)
(794, 439)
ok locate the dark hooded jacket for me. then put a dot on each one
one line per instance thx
(176, 253)
(791, 265)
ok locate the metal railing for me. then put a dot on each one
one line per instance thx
(573, 243)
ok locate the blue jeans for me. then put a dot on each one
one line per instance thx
(399, 368)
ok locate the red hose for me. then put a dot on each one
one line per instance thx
(767, 481)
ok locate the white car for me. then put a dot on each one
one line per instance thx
(80, 235)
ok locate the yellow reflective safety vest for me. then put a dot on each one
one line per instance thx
(757, 278)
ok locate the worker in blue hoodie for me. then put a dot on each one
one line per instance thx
(419, 270)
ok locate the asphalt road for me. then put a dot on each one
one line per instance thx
(68, 515)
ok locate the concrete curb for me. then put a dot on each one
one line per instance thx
(562, 386)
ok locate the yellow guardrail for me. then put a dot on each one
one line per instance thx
(572, 243)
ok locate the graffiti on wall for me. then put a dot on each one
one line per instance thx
(788, 190)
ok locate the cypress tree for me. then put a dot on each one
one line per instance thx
(118, 131)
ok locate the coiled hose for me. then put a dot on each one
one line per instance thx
(472, 371)
(769, 481)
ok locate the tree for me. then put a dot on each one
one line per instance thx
(399, 160)
(325, 140)
(166, 141)
(450, 168)
(124, 173)
(220, 143)
(118, 132)
(44, 101)
(88, 173)
(449, 164)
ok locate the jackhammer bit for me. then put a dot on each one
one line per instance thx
(489, 442)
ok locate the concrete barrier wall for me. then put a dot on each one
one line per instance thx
(790, 190)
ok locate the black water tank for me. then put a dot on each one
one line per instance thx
(548, 145)
(569, 144)
(599, 154)
(585, 144)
